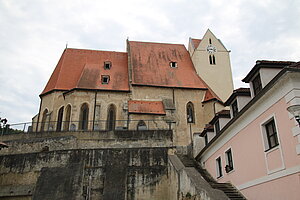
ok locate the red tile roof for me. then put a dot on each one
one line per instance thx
(150, 64)
(79, 68)
(196, 42)
(146, 107)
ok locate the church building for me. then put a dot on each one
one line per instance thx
(150, 86)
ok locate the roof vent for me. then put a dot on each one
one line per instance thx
(173, 64)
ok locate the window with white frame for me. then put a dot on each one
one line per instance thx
(270, 134)
(219, 167)
(229, 161)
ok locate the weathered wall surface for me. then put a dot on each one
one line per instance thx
(190, 184)
(76, 174)
(86, 165)
(99, 103)
(53, 141)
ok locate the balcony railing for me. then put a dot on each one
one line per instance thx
(100, 125)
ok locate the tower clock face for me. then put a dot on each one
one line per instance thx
(211, 49)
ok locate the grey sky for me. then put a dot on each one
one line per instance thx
(34, 34)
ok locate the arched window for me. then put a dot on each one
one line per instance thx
(59, 118)
(84, 117)
(210, 59)
(213, 59)
(141, 125)
(43, 123)
(111, 117)
(209, 41)
(68, 118)
(190, 112)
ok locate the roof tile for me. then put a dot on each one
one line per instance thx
(146, 107)
(151, 66)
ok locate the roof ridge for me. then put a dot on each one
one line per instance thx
(76, 49)
(156, 43)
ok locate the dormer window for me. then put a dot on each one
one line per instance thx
(257, 87)
(173, 64)
(107, 65)
(105, 79)
(234, 108)
(217, 126)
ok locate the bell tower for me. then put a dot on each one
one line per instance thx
(212, 63)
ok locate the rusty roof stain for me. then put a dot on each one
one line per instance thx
(146, 107)
(150, 64)
(196, 42)
(80, 68)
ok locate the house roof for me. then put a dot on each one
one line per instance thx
(221, 114)
(80, 68)
(150, 65)
(265, 64)
(237, 92)
(294, 68)
(196, 42)
(208, 128)
(146, 107)
(210, 95)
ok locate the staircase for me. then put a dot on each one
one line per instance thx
(231, 192)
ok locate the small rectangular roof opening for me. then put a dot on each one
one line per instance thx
(104, 79)
(107, 65)
(173, 64)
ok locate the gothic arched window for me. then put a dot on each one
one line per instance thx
(84, 117)
(111, 118)
(68, 118)
(59, 118)
(213, 59)
(43, 123)
(190, 112)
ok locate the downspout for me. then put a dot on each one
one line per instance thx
(94, 110)
(173, 90)
(38, 119)
(129, 79)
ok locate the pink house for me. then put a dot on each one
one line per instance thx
(257, 149)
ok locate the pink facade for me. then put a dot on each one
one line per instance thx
(260, 171)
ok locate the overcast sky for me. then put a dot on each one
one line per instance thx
(34, 34)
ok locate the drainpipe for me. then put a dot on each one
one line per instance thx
(94, 110)
(38, 119)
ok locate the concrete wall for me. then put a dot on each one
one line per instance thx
(74, 174)
(188, 184)
(54, 141)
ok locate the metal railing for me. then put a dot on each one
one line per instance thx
(100, 125)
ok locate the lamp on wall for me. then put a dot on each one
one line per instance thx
(295, 111)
